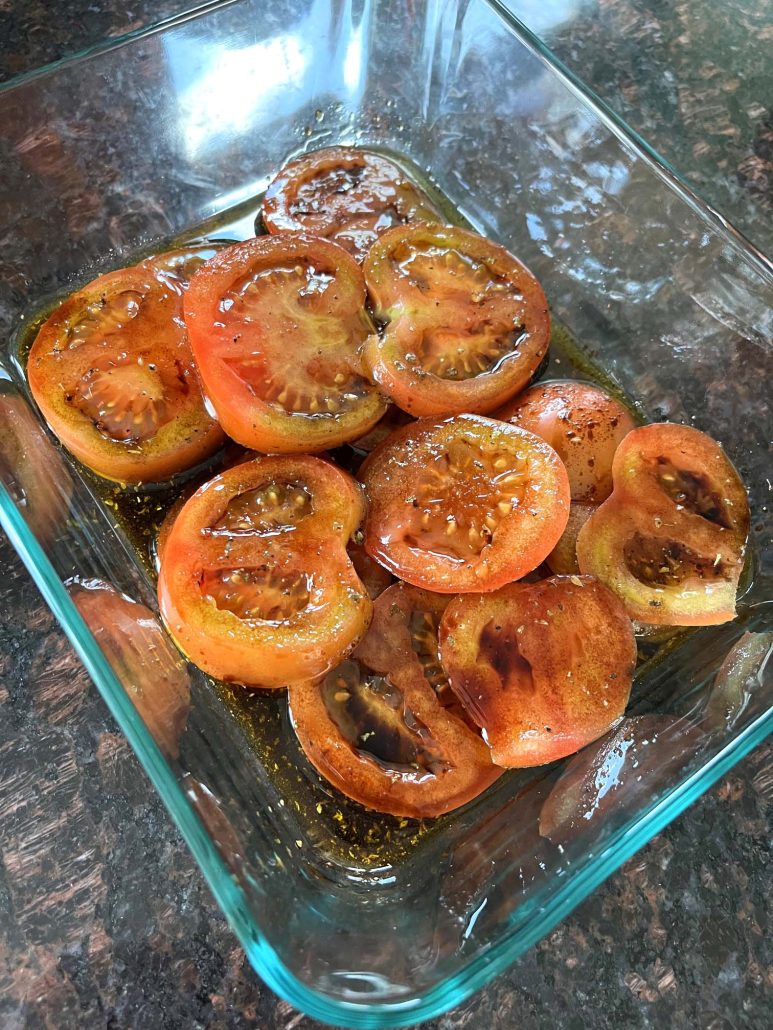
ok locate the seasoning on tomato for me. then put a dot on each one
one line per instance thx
(671, 539)
(582, 423)
(381, 728)
(112, 372)
(465, 324)
(543, 668)
(143, 658)
(255, 583)
(276, 325)
(463, 504)
(344, 194)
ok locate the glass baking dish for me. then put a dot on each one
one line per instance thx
(356, 919)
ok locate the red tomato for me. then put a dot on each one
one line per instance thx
(465, 323)
(562, 560)
(36, 475)
(255, 583)
(382, 727)
(464, 504)
(148, 666)
(671, 539)
(375, 577)
(276, 325)
(344, 194)
(543, 668)
(582, 423)
(112, 372)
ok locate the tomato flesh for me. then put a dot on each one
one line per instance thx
(381, 726)
(671, 539)
(112, 372)
(143, 658)
(276, 324)
(543, 668)
(344, 194)
(465, 504)
(582, 423)
(255, 583)
(465, 324)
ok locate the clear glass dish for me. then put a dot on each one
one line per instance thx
(356, 919)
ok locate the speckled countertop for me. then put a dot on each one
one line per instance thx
(104, 918)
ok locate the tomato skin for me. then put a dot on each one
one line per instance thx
(582, 423)
(461, 472)
(276, 324)
(345, 194)
(543, 668)
(258, 591)
(426, 758)
(671, 539)
(562, 560)
(149, 667)
(137, 352)
(464, 331)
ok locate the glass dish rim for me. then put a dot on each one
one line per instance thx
(484, 966)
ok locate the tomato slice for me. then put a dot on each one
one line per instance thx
(671, 539)
(112, 372)
(375, 577)
(543, 668)
(382, 728)
(465, 324)
(255, 583)
(465, 504)
(582, 423)
(612, 775)
(143, 658)
(345, 194)
(562, 560)
(276, 325)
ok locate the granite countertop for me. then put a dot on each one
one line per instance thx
(105, 919)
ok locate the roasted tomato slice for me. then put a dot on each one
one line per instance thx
(465, 324)
(582, 423)
(113, 374)
(255, 583)
(562, 560)
(145, 661)
(375, 577)
(344, 194)
(380, 727)
(276, 325)
(543, 668)
(463, 504)
(671, 539)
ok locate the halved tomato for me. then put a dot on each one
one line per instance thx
(112, 372)
(543, 668)
(463, 504)
(379, 727)
(671, 539)
(344, 194)
(276, 325)
(144, 660)
(375, 577)
(465, 324)
(582, 423)
(562, 560)
(255, 584)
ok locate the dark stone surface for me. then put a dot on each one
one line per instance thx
(105, 920)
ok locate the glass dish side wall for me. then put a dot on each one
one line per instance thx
(105, 156)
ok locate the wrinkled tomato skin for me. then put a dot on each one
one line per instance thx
(344, 194)
(543, 668)
(255, 584)
(464, 504)
(144, 660)
(582, 423)
(112, 373)
(425, 758)
(276, 325)
(463, 331)
(671, 538)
